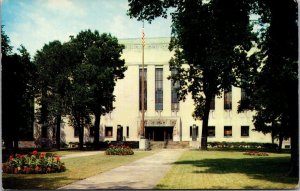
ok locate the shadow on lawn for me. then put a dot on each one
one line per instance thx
(34, 182)
(272, 169)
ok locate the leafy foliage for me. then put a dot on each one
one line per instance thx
(210, 41)
(34, 163)
(18, 74)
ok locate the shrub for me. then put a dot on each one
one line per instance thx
(256, 153)
(33, 163)
(119, 150)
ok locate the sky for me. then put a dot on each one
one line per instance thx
(34, 23)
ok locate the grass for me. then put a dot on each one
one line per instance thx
(228, 170)
(77, 169)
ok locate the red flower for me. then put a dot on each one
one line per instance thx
(43, 154)
(34, 152)
(11, 157)
(57, 158)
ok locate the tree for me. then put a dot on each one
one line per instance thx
(210, 40)
(53, 85)
(273, 89)
(101, 66)
(17, 94)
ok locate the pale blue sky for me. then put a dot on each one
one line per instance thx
(36, 22)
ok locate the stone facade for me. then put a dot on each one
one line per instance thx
(124, 120)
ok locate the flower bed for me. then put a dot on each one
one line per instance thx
(256, 153)
(119, 150)
(33, 163)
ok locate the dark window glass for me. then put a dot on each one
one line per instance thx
(91, 131)
(76, 131)
(44, 132)
(158, 89)
(108, 131)
(174, 96)
(228, 99)
(244, 131)
(127, 131)
(191, 131)
(244, 99)
(227, 131)
(212, 104)
(140, 89)
(211, 131)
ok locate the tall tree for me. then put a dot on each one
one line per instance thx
(53, 85)
(103, 66)
(274, 89)
(17, 94)
(210, 40)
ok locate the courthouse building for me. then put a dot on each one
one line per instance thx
(165, 117)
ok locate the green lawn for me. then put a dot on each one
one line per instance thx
(77, 169)
(228, 170)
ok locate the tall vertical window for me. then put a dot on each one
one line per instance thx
(212, 104)
(211, 131)
(92, 130)
(127, 131)
(140, 88)
(158, 89)
(174, 98)
(76, 131)
(228, 98)
(244, 99)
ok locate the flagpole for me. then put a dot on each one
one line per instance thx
(143, 86)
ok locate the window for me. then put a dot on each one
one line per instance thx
(108, 131)
(76, 131)
(245, 131)
(227, 131)
(127, 131)
(158, 89)
(44, 131)
(191, 131)
(244, 99)
(212, 104)
(211, 131)
(228, 99)
(92, 129)
(174, 96)
(140, 89)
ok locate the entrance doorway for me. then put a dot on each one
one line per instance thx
(159, 133)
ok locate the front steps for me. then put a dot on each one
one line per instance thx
(168, 145)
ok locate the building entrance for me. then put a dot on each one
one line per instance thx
(159, 133)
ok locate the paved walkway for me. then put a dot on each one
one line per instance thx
(141, 174)
(81, 154)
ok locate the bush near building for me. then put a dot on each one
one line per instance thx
(251, 145)
(119, 150)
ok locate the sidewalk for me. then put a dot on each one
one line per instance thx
(81, 154)
(141, 174)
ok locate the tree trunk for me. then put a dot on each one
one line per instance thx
(294, 127)
(96, 130)
(205, 123)
(81, 130)
(280, 142)
(58, 120)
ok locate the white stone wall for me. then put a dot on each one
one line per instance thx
(126, 112)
